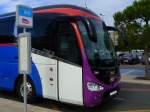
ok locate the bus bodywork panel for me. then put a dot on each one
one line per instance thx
(70, 83)
(47, 69)
(7, 60)
(9, 69)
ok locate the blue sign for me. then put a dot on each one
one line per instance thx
(24, 16)
(25, 11)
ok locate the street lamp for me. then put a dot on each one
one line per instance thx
(85, 4)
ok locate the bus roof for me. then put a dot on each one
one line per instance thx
(69, 10)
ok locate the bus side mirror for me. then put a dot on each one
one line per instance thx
(91, 30)
(93, 37)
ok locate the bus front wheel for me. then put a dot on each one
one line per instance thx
(30, 90)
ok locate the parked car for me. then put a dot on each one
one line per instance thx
(143, 61)
(138, 52)
(130, 59)
(120, 57)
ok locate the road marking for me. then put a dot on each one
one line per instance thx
(128, 73)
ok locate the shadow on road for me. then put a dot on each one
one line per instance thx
(132, 97)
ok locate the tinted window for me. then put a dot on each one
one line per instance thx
(7, 30)
(42, 38)
(67, 47)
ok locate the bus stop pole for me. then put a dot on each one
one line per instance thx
(24, 19)
(25, 85)
(25, 93)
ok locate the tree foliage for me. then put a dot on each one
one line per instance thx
(137, 24)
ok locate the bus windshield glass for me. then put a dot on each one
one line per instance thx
(101, 50)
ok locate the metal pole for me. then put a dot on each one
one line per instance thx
(25, 86)
(85, 4)
(24, 30)
(25, 93)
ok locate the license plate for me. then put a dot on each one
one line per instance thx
(113, 93)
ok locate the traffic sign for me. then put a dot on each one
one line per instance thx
(24, 16)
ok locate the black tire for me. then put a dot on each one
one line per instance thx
(30, 97)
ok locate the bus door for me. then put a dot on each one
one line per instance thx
(69, 64)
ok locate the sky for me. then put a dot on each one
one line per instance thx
(105, 7)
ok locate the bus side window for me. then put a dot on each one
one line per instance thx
(67, 46)
(42, 35)
(6, 31)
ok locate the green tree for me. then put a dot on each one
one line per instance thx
(136, 21)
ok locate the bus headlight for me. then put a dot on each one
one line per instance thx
(94, 87)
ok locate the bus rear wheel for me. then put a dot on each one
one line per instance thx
(30, 90)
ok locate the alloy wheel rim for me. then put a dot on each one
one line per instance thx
(28, 87)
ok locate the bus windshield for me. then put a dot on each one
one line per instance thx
(102, 50)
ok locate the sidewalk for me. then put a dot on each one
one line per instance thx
(8, 105)
(134, 79)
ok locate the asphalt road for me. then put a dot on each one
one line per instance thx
(133, 97)
(136, 70)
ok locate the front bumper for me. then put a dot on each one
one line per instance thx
(92, 99)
